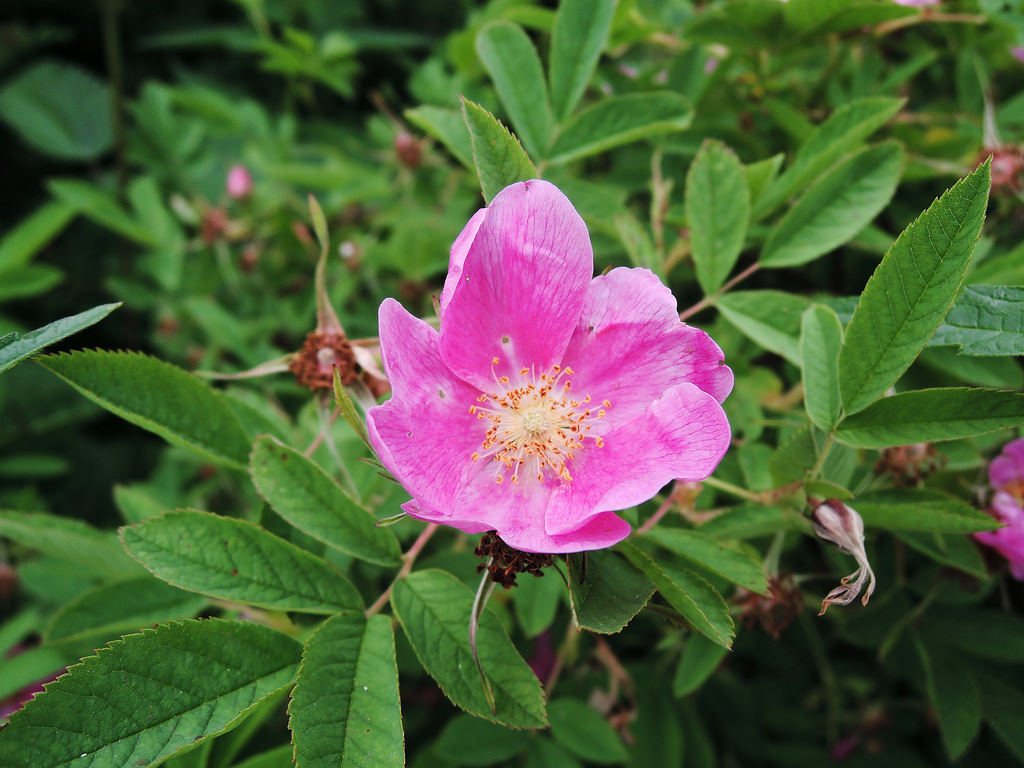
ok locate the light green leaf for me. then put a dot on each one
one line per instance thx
(689, 593)
(836, 208)
(581, 30)
(620, 120)
(717, 211)
(158, 397)
(606, 591)
(841, 133)
(235, 560)
(954, 695)
(824, 16)
(746, 522)
(499, 158)
(700, 659)
(821, 336)
(69, 539)
(28, 668)
(904, 509)
(135, 504)
(514, 66)
(468, 740)
(59, 109)
(761, 174)
(29, 235)
(28, 281)
(986, 320)
(769, 318)
(930, 415)
(183, 682)
(434, 609)
(910, 292)
(14, 349)
(448, 127)
(118, 607)
(344, 711)
(101, 207)
(581, 730)
(278, 757)
(306, 496)
(536, 601)
(727, 560)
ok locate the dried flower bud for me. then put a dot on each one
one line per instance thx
(239, 182)
(909, 464)
(409, 151)
(841, 525)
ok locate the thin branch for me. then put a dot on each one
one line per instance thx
(707, 301)
(408, 559)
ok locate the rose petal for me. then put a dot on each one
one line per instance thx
(458, 257)
(521, 287)
(630, 347)
(1008, 467)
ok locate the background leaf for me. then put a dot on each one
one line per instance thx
(910, 292)
(344, 710)
(18, 347)
(727, 560)
(185, 682)
(235, 560)
(581, 730)
(821, 336)
(700, 659)
(68, 539)
(448, 127)
(985, 320)
(499, 158)
(581, 29)
(468, 740)
(32, 233)
(606, 591)
(954, 695)
(903, 509)
(769, 318)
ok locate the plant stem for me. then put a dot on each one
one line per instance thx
(660, 513)
(735, 490)
(820, 463)
(408, 559)
(708, 300)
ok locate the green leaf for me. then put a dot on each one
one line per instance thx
(28, 281)
(769, 318)
(68, 539)
(747, 521)
(620, 120)
(308, 498)
(447, 126)
(836, 208)
(29, 235)
(499, 158)
(236, 560)
(434, 609)
(717, 212)
(700, 659)
(101, 207)
(135, 504)
(344, 710)
(182, 682)
(954, 695)
(278, 757)
(158, 397)
(1003, 705)
(910, 292)
(955, 550)
(986, 320)
(536, 602)
(514, 66)
(28, 668)
(904, 509)
(689, 593)
(544, 753)
(821, 336)
(979, 632)
(841, 133)
(59, 109)
(468, 740)
(581, 30)
(606, 591)
(16, 348)
(930, 415)
(122, 606)
(581, 730)
(727, 560)
(761, 174)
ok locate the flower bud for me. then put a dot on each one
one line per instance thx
(841, 525)
(239, 182)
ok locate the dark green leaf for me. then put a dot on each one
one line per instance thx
(769, 318)
(910, 292)
(821, 336)
(68, 539)
(717, 211)
(955, 550)
(606, 591)
(29, 235)
(1003, 705)
(700, 659)
(344, 710)
(18, 347)
(620, 120)
(904, 509)
(581, 730)
(929, 415)
(581, 29)
(727, 560)
(235, 560)
(986, 320)
(306, 496)
(514, 66)
(159, 397)
(471, 741)
(954, 695)
(499, 158)
(979, 632)
(434, 609)
(184, 682)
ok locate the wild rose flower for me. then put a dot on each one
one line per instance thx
(841, 525)
(917, 3)
(239, 182)
(1006, 476)
(548, 399)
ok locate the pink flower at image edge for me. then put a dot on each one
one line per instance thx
(239, 182)
(549, 399)
(1006, 476)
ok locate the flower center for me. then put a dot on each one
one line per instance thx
(535, 424)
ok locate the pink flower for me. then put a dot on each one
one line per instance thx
(239, 182)
(917, 3)
(549, 399)
(1006, 475)
(1017, 52)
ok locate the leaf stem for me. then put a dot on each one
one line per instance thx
(660, 513)
(408, 559)
(708, 300)
(735, 490)
(822, 455)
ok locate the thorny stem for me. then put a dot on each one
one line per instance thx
(707, 301)
(408, 559)
(660, 513)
